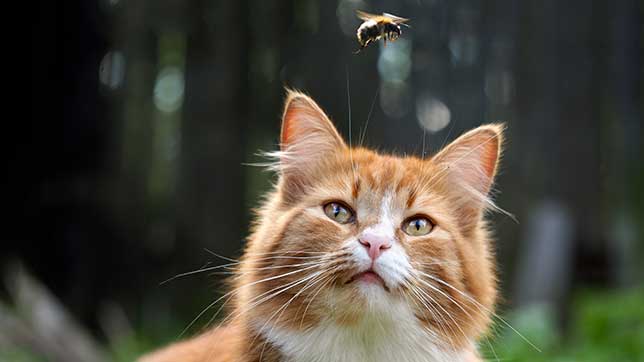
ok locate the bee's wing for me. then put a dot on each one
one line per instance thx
(395, 19)
(367, 16)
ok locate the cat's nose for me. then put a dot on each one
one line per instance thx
(375, 244)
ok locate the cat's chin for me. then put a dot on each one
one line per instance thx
(365, 294)
(368, 279)
(352, 304)
(376, 296)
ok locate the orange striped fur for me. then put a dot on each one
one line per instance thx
(293, 295)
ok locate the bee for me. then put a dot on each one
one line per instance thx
(375, 27)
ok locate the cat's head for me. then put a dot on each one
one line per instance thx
(350, 234)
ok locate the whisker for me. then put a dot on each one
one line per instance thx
(246, 271)
(323, 285)
(276, 257)
(487, 341)
(454, 302)
(447, 136)
(288, 252)
(236, 290)
(422, 155)
(446, 312)
(196, 272)
(353, 165)
(435, 315)
(284, 253)
(235, 263)
(253, 302)
(219, 256)
(203, 312)
(373, 103)
(270, 267)
(250, 301)
(310, 283)
(484, 308)
(221, 307)
(437, 262)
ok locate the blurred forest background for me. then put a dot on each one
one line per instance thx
(144, 113)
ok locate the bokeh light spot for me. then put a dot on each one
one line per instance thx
(394, 99)
(346, 13)
(111, 71)
(168, 89)
(433, 115)
(394, 62)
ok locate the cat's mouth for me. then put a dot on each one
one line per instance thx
(368, 277)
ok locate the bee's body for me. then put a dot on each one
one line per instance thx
(376, 27)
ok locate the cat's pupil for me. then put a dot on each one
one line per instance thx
(336, 210)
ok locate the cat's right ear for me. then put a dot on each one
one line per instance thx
(307, 137)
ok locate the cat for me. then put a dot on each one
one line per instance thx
(361, 256)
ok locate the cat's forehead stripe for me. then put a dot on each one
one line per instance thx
(379, 172)
(355, 190)
(382, 173)
(411, 198)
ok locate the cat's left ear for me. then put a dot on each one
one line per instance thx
(469, 165)
(307, 138)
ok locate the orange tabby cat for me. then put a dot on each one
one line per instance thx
(361, 256)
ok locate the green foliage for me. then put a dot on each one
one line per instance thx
(18, 355)
(603, 326)
(149, 336)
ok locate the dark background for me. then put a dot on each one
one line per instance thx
(145, 112)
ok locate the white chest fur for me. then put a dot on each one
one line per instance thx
(372, 340)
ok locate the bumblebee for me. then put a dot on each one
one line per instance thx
(375, 27)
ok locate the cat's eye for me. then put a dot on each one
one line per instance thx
(338, 212)
(417, 226)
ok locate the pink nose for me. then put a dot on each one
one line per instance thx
(375, 244)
